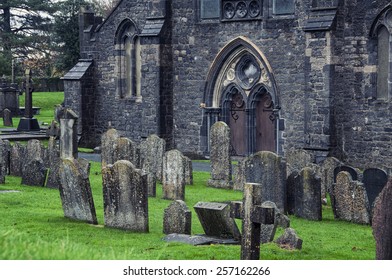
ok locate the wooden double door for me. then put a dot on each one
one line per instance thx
(251, 120)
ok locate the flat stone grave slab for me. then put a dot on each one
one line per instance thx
(8, 191)
(197, 240)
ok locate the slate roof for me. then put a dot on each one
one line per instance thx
(320, 20)
(153, 27)
(78, 71)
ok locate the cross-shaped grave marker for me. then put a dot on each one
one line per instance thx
(253, 215)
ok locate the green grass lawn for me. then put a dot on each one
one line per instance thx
(46, 101)
(32, 226)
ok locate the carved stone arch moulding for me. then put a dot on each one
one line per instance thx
(127, 28)
(240, 62)
(384, 18)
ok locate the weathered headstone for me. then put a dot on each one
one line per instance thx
(34, 169)
(188, 171)
(53, 130)
(7, 117)
(75, 190)
(374, 180)
(268, 170)
(349, 200)
(53, 180)
(327, 174)
(239, 175)
(297, 159)
(108, 146)
(267, 232)
(5, 148)
(216, 220)
(152, 151)
(17, 158)
(382, 223)
(289, 240)
(253, 215)
(68, 134)
(123, 149)
(177, 218)
(220, 156)
(306, 200)
(173, 180)
(125, 197)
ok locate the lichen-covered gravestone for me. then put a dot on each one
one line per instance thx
(382, 223)
(125, 149)
(306, 200)
(5, 148)
(108, 146)
(75, 190)
(297, 159)
(220, 156)
(173, 180)
(350, 202)
(327, 174)
(268, 170)
(152, 151)
(34, 169)
(125, 197)
(177, 218)
(53, 180)
(17, 158)
(188, 171)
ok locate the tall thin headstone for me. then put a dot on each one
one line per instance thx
(68, 134)
(327, 174)
(53, 180)
(152, 151)
(108, 146)
(17, 158)
(221, 173)
(173, 180)
(125, 197)
(34, 170)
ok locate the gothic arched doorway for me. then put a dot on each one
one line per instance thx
(241, 91)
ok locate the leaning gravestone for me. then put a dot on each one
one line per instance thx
(125, 197)
(374, 180)
(328, 167)
(173, 180)
(268, 170)
(17, 158)
(152, 151)
(177, 218)
(53, 180)
(307, 195)
(220, 156)
(108, 146)
(349, 200)
(75, 190)
(382, 223)
(216, 221)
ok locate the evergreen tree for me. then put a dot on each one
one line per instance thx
(24, 30)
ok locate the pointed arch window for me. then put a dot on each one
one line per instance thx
(383, 64)
(128, 61)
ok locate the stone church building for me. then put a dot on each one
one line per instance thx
(309, 74)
